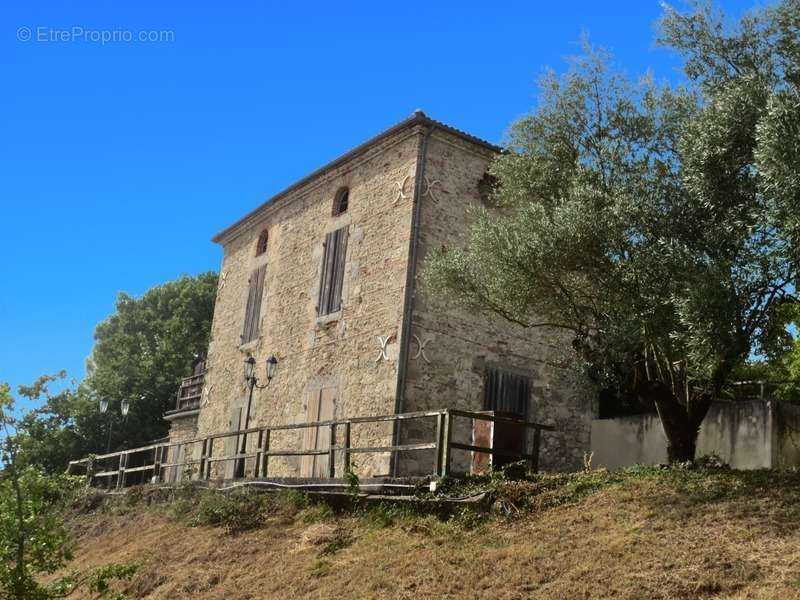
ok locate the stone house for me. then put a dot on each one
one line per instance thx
(324, 277)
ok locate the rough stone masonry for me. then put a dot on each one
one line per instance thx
(389, 346)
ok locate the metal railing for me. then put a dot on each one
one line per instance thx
(159, 462)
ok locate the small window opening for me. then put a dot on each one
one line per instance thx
(340, 201)
(261, 245)
(506, 392)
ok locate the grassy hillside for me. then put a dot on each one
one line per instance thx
(643, 533)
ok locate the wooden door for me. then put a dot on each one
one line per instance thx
(233, 442)
(321, 407)
(176, 473)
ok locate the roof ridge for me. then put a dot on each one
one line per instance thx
(417, 117)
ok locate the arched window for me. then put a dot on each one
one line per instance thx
(340, 201)
(261, 245)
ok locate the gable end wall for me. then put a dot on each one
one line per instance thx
(459, 344)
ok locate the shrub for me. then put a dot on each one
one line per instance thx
(237, 512)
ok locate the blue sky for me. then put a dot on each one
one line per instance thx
(120, 160)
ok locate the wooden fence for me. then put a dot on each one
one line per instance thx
(160, 462)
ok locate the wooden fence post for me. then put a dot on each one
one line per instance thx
(332, 451)
(90, 470)
(259, 450)
(448, 438)
(203, 459)
(264, 458)
(537, 438)
(157, 458)
(346, 447)
(210, 454)
(437, 467)
(123, 461)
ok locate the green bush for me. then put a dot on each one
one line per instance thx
(237, 512)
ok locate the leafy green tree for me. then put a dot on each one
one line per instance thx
(643, 221)
(141, 353)
(63, 427)
(33, 540)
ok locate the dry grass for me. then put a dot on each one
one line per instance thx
(643, 534)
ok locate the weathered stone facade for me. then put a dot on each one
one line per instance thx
(409, 190)
(183, 426)
(460, 344)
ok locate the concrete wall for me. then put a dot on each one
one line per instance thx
(460, 344)
(746, 435)
(341, 351)
(786, 424)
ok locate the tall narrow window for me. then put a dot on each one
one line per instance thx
(261, 245)
(506, 392)
(332, 274)
(252, 313)
(340, 201)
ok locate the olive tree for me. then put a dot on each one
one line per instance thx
(655, 225)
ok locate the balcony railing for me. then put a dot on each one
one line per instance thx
(197, 458)
(190, 392)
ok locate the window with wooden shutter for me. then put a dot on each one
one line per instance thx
(506, 392)
(252, 313)
(332, 274)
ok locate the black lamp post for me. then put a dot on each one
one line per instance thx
(103, 410)
(124, 407)
(252, 382)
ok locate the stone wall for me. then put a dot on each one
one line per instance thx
(342, 351)
(459, 344)
(182, 428)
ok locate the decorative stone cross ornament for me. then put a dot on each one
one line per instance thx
(420, 348)
(384, 342)
(401, 187)
(222, 277)
(429, 188)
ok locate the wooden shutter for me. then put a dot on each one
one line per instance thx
(332, 273)
(252, 313)
(506, 392)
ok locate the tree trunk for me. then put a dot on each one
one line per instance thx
(681, 424)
